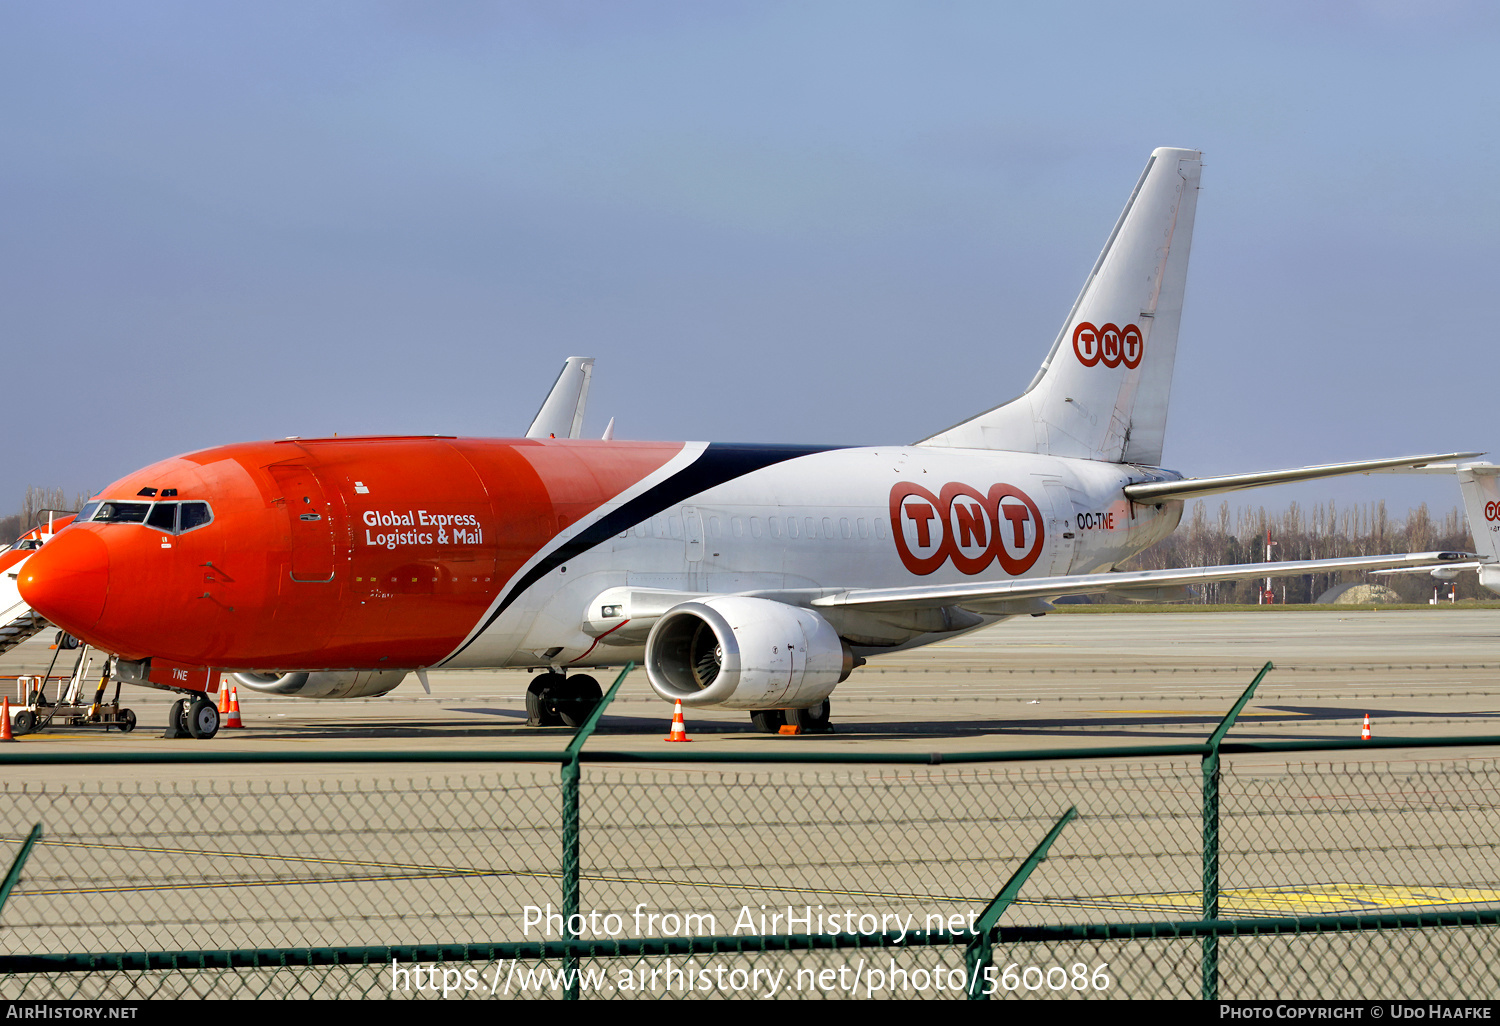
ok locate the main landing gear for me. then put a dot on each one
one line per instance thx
(192, 717)
(808, 721)
(555, 700)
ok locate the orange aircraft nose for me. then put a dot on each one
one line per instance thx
(67, 580)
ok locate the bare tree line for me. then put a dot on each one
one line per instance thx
(33, 505)
(1228, 536)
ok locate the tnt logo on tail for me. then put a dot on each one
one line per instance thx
(1110, 345)
(972, 528)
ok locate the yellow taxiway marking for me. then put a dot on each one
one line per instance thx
(1313, 899)
(411, 871)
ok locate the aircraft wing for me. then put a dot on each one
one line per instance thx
(1014, 595)
(1195, 487)
(1472, 564)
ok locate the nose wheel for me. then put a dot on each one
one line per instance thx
(202, 719)
(177, 720)
(196, 717)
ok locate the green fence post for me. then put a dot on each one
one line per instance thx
(20, 860)
(979, 951)
(570, 862)
(1210, 989)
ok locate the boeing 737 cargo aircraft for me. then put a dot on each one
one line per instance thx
(752, 577)
(1479, 484)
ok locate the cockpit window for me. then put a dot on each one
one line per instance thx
(163, 517)
(122, 512)
(171, 517)
(193, 514)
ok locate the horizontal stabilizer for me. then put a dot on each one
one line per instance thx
(1196, 487)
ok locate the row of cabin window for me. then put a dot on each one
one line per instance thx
(774, 527)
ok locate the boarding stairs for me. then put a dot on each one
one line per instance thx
(20, 627)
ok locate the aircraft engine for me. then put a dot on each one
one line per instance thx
(737, 652)
(323, 683)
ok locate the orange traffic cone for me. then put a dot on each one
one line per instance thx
(5, 734)
(223, 697)
(233, 722)
(679, 728)
(1364, 735)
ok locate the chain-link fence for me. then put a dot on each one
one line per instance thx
(687, 870)
(865, 876)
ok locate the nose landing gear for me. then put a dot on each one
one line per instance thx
(195, 717)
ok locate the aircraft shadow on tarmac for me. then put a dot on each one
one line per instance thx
(1165, 727)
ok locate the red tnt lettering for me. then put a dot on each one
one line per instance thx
(973, 524)
(921, 514)
(968, 520)
(1017, 515)
(1086, 344)
(1108, 344)
(1110, 356)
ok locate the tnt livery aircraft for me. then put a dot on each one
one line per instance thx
(751, 577)
(1479, 484)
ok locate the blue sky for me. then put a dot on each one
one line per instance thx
(822, 222)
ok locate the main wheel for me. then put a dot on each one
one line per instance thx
(577, 698)
(23, 723)
(177, 719)
(768, 721)
(812, 721)
(541, 700)
(203, 719)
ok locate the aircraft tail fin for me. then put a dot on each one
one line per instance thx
(561, 415)
(1480, 485)
(1102, 392)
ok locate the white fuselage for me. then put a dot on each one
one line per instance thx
(841, 519)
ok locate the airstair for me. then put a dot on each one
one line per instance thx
(18, 622)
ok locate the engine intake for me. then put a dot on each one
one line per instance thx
(737, 652)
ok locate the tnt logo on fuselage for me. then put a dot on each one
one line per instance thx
(1108, 344)
(972, 528)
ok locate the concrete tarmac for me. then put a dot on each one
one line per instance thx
(153, 857)
(1064, 680)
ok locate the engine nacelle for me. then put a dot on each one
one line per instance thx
(324, 683)
(737, 652)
